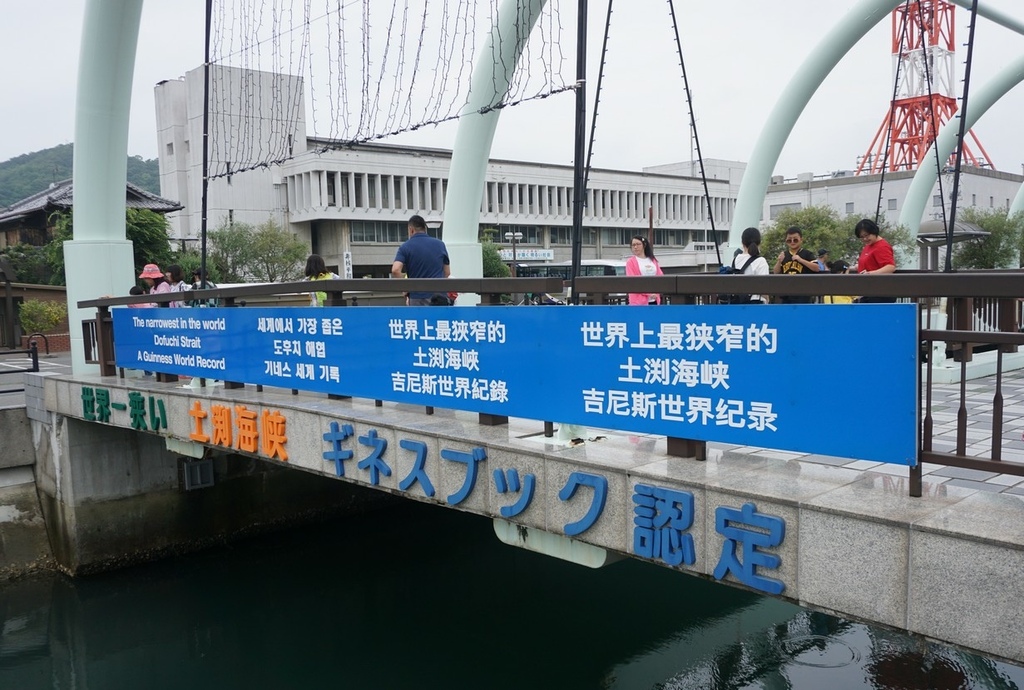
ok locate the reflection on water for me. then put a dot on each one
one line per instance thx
(427, 597)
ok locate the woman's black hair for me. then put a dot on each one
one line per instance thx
(866, 225)
(176, 275)
(751, 239)
(315, 266)
(648, 249)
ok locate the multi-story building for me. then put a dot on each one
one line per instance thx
(351, 203)
(355, 201)
(859, 195)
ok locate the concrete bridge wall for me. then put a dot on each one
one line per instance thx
(948, 566)
(83, 497)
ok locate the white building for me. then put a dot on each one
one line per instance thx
(351, 203)
(358, 198)
(858, 195)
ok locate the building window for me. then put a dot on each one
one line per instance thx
(849, 208)
(974, 199)
(616, 237)
(331, 196)
(671, 237)
(775, 209)
(531, 233)
(379, 232)
(561, 236)
(170, 149)
(892, 204)
(991, 201)
(937, 200)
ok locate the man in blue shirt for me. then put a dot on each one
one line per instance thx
(421, 256)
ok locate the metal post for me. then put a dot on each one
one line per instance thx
(8, 273)
(579, 186)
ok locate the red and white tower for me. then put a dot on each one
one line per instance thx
(923, 35)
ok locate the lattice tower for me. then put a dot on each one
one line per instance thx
(923, 53)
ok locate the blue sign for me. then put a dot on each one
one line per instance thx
(746, 374)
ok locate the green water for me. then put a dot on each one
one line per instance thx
(424, 597)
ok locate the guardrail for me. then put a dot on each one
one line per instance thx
(987, 303)
(8, 369)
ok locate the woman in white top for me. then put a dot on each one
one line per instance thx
(642, 263)
(751, 239)
(176, 280)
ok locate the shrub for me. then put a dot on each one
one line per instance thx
(39, 316)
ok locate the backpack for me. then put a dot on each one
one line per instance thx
(209, 285)
(737, 298)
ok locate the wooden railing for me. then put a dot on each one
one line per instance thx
(985, 311)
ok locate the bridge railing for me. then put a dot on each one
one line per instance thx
(983, 310)
(9, 369)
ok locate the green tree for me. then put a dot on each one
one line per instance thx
(277, 255)
(1001, 248)
(240, 252)
(493, 266)
(822, 226)
(227, 251)
(146, 229)
(29, 263)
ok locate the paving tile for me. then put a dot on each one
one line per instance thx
(980, 486)
(963, 473)
(864, 465)
(826, 460)
(1006, 480)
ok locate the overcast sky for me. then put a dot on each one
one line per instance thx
(739, 55)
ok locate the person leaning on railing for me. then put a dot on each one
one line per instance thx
(876, 257)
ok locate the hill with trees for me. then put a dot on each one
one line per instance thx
(29, 173)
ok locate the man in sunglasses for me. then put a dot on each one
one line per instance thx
(795, 260)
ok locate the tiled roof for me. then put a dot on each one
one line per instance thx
(60, 196)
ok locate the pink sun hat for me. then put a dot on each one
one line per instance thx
(151, 271)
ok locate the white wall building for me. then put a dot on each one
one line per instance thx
(853, 195)
(358, 198)
(351, 202)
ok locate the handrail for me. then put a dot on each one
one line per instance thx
(910, 284)
(33, 353)
(961, 289)
(354, 286)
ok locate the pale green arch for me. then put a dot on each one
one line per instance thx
(977, 105)
(98, 260)
(825, 56)
(792, 101)
(475, 134)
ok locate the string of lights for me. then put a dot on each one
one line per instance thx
(363, 70)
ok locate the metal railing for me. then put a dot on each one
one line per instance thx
(983, 311)
(8, 369)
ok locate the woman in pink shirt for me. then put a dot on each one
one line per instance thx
(642, 263)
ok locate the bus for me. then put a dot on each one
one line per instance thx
(562, 269)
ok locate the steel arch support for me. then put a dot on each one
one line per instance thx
(99, 260)
(792, 101)
(476, 133)
(924, 179)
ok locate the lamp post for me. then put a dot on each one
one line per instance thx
(514, 237)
